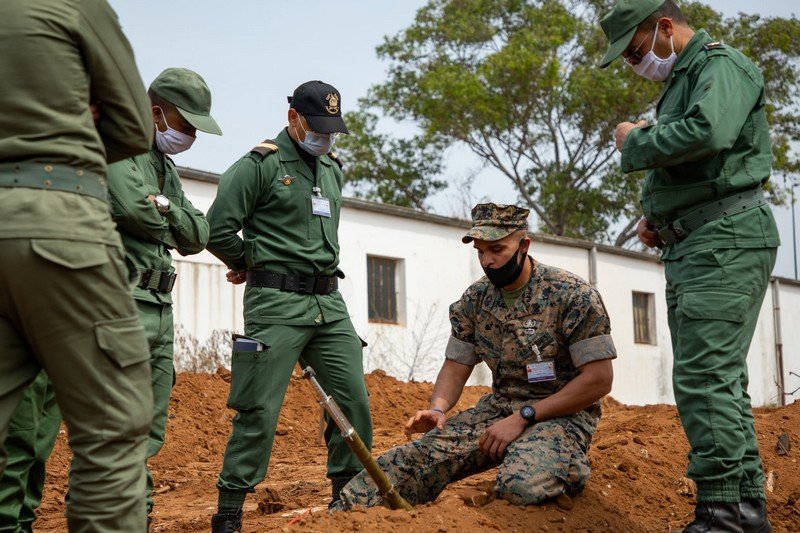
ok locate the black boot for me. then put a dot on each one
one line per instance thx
(715, 517)
(337, 484)
(227, 521)
(754, 516)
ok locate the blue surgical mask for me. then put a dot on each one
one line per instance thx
(316, 144)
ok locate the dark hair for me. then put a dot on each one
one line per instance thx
(668, 9)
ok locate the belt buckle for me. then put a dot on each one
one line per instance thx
(165, 282)
(303, 286)
(144, 278)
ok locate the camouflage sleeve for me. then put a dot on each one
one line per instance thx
(588, 328)
(461, 346)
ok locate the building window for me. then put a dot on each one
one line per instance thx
(384, 285)
(644, 318)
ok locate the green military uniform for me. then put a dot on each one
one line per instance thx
(31, 437)
(271, 194)
(711, 145)
(566, 320)
(148, 236)
(64, 300)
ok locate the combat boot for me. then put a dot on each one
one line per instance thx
(715, 517)
(227, 520)
(754, 516)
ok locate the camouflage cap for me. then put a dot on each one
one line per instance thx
(492, 222)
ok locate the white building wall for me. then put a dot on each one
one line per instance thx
(790, 337)
(435, 269)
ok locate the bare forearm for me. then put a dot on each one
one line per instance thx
(590, 385)
(449, 385)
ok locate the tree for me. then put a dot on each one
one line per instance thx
(386, 169)
(517, 82)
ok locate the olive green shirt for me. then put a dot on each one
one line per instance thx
(58, 56)
(269, 199)
(146, 234)
(711, 141)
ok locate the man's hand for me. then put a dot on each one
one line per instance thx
(424, 421)
(645, 232)
(236, 277)
(623, 129)
(499, 435)
(152, 199)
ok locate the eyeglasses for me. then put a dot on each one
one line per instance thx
(633, 58)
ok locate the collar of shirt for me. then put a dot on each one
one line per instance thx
(691, 49)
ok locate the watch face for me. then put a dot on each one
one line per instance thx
(527, 412)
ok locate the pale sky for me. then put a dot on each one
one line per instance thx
(253, 53)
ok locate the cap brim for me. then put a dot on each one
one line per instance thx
(322, 124)
(488, 233)
(616, 48)
(204, 123)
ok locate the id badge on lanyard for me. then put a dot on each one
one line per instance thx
(320, 206)
(540, 370)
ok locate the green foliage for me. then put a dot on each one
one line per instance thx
(389, 170)
(518, 83)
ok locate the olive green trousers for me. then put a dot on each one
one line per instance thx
(713, 299)
(258, 385)
(65, 307)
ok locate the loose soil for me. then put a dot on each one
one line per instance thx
(637, 484)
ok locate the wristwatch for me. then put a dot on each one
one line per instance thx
(162, 203)
(529, 414)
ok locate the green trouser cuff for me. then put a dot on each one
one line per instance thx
(752, 492)
(718, 492)
(231, 499)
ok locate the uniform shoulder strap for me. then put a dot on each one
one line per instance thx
(264, 148)
(336, 159)
(714, 45)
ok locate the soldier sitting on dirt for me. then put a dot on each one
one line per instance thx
(545, 335)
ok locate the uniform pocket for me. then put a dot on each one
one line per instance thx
(71, 254)
(714, 305)
(123, 341)
(248, 381)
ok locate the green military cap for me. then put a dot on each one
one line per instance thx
(492, 222)
(621, 23)
(188, 92)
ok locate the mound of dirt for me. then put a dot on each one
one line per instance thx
(637, 484)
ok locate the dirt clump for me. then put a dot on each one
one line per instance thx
(637, 484)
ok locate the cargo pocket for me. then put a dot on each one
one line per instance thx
(71, 254)
(248, 381)
(123, 341)
(715, 305)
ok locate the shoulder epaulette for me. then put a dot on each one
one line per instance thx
(714, 45)
(264, 148)
(336, 159)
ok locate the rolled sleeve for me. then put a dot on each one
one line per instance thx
(461, 352)
(592, 349)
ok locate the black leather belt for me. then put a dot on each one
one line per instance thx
(156, 280)
(292, 283)
(679, 229)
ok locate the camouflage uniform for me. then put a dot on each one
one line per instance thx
(550, 457)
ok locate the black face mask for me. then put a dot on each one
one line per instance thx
(507, 274)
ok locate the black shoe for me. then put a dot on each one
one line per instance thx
(337, 484)
(715, 517)
(227, 521)
(754, 516)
